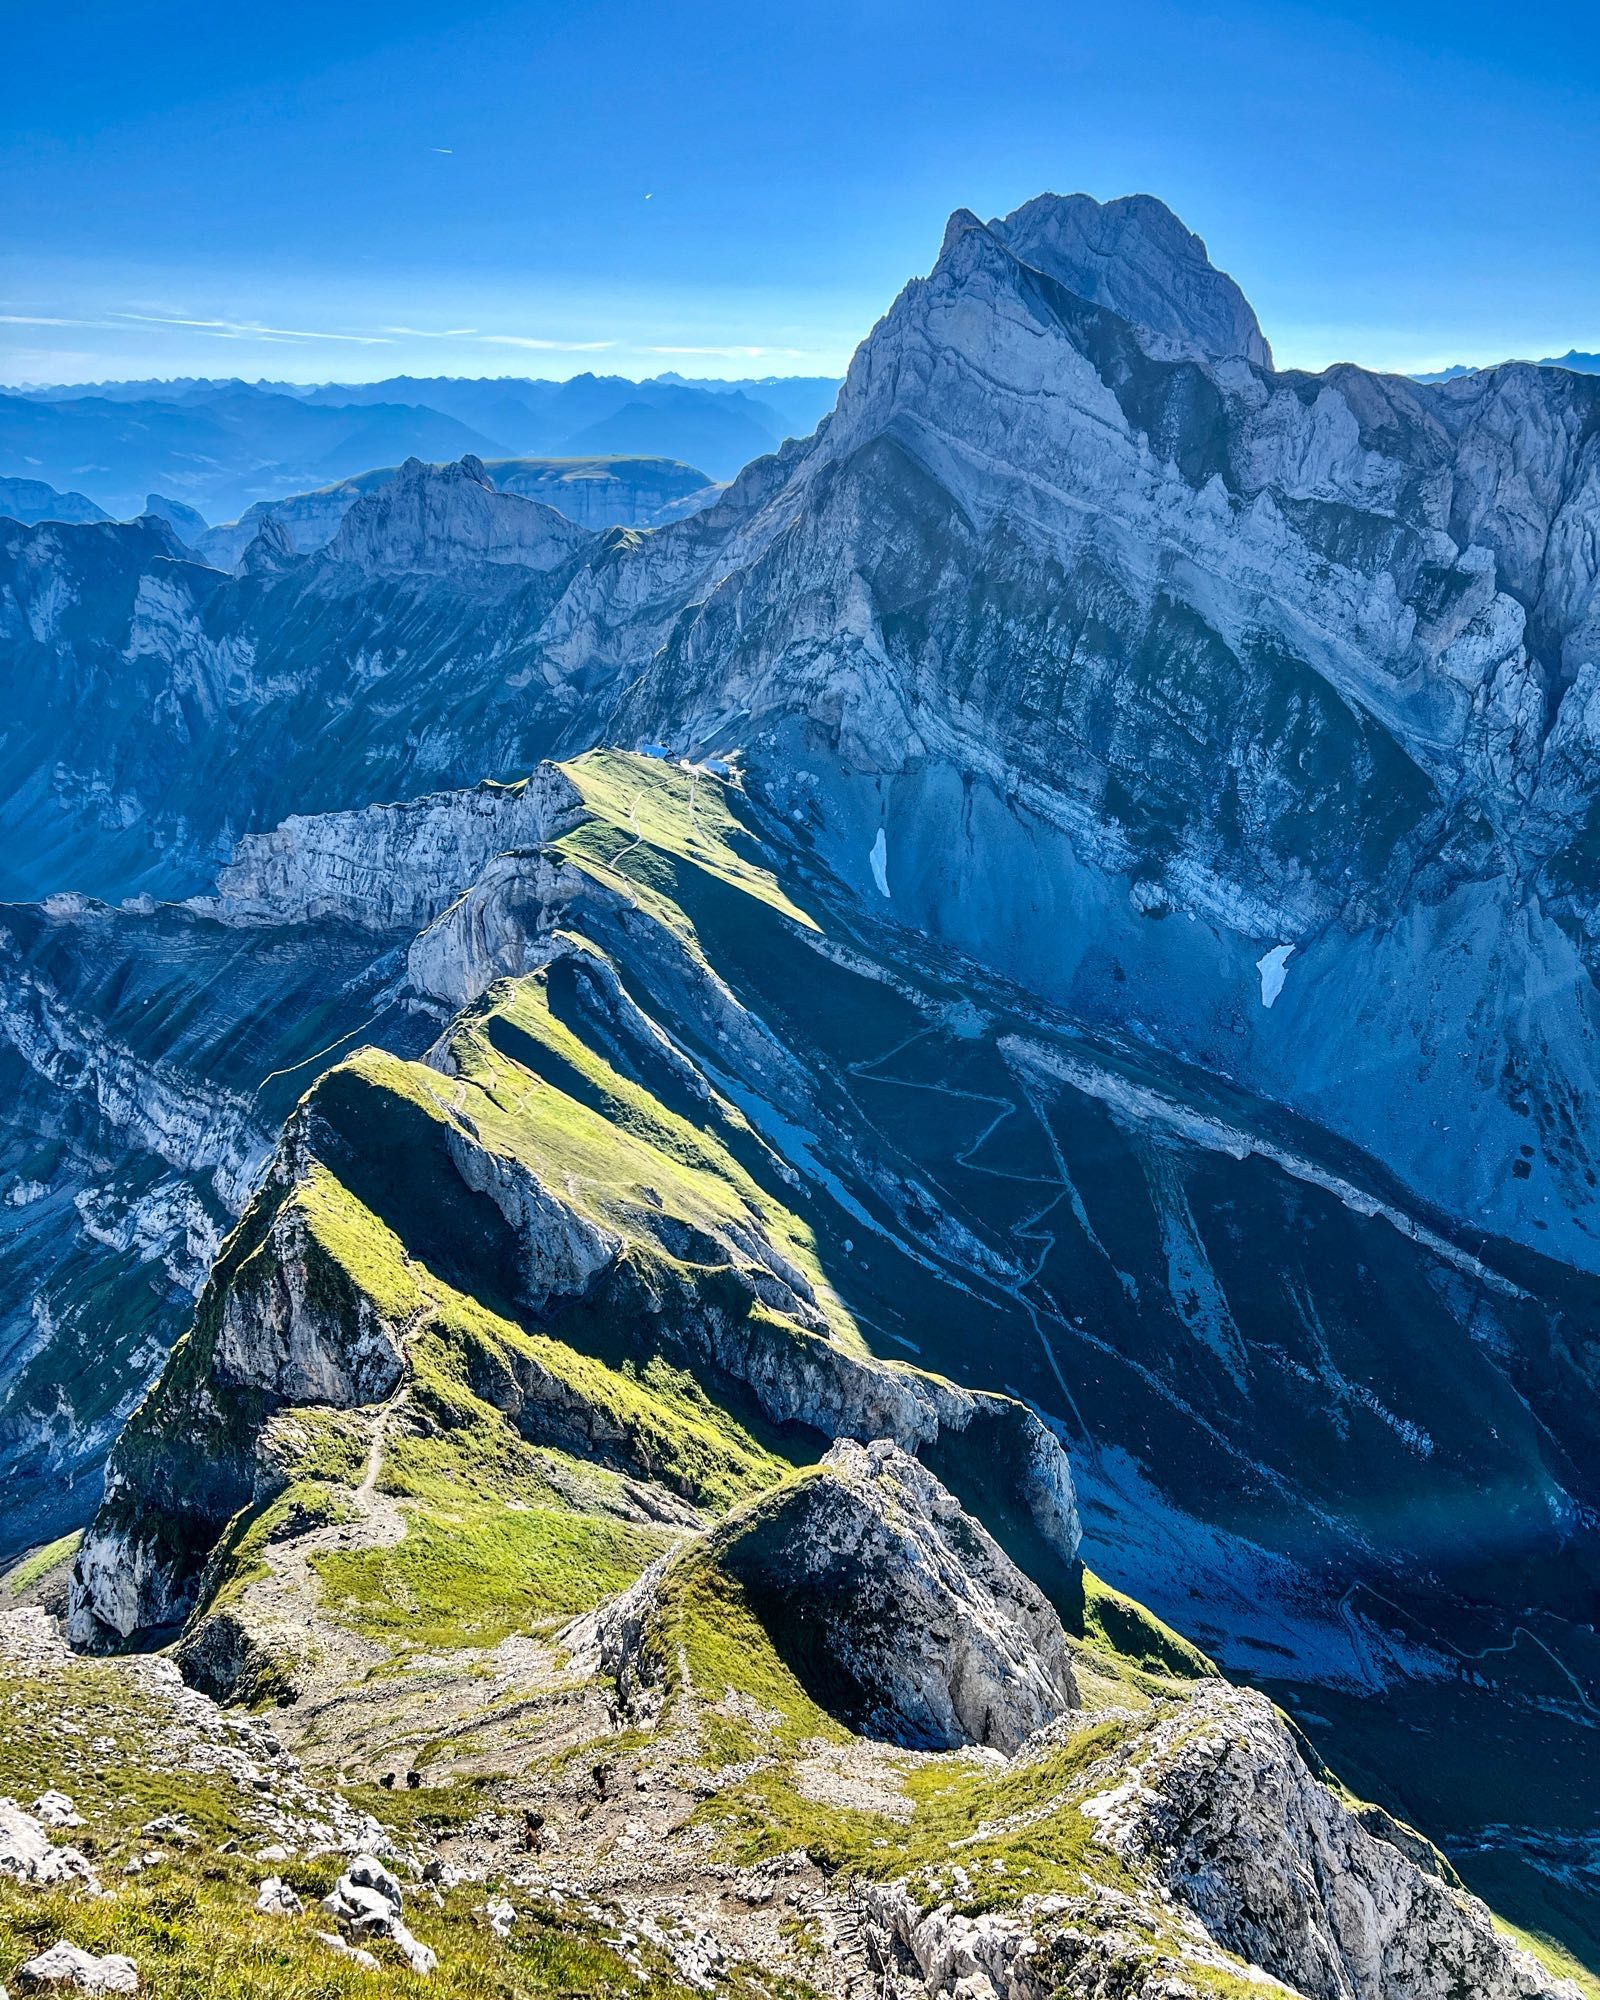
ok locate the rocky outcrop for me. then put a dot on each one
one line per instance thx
(367, 1901)
(1233, 1854)
(440, 518)
(147, 1056)
(307, 521)
(68, 1967)
(897, 1609)
(1218, 1801)
(389, 867)
(294, 1328)
(495, 929)
(282, 1323)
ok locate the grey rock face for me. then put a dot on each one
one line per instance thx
(276, 1899)
(562, 1253)
(1278, 1870)
(1078, 634)
(388, 867)
(367, 1900)
(275, 1333)
(897, 1607)
(1135, 257)
(146, 1057)
(494, 929)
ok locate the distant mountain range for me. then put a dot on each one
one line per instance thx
(222, 446)
(1580, 364)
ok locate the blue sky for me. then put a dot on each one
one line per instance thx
(350, 190)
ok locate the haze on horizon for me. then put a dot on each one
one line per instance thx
(348, 194)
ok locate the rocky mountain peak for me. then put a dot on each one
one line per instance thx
(270, 551)
(186, 522)
(1134, 257)
(436, 518)
(960, 222)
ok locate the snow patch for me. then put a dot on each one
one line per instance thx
(1273, 967)
(880, 862)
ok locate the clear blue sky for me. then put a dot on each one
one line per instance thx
(741, 189)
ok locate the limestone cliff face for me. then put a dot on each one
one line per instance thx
(1135, 257)
(279, 1325)
(277, 1333)
(389, 867)
(146, 1056)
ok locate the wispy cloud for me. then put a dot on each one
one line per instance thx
(235, 329)
(733, 353)
(36, 319)
(549, 346)
(432, 332)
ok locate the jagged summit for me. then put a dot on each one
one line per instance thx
(1134, 257)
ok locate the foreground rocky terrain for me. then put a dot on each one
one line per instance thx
(1062, 1049)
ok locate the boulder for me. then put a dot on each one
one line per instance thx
(27, 1854)
(69, 1965)
(367, 1899)
(354, 1952)
(276, 1899)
